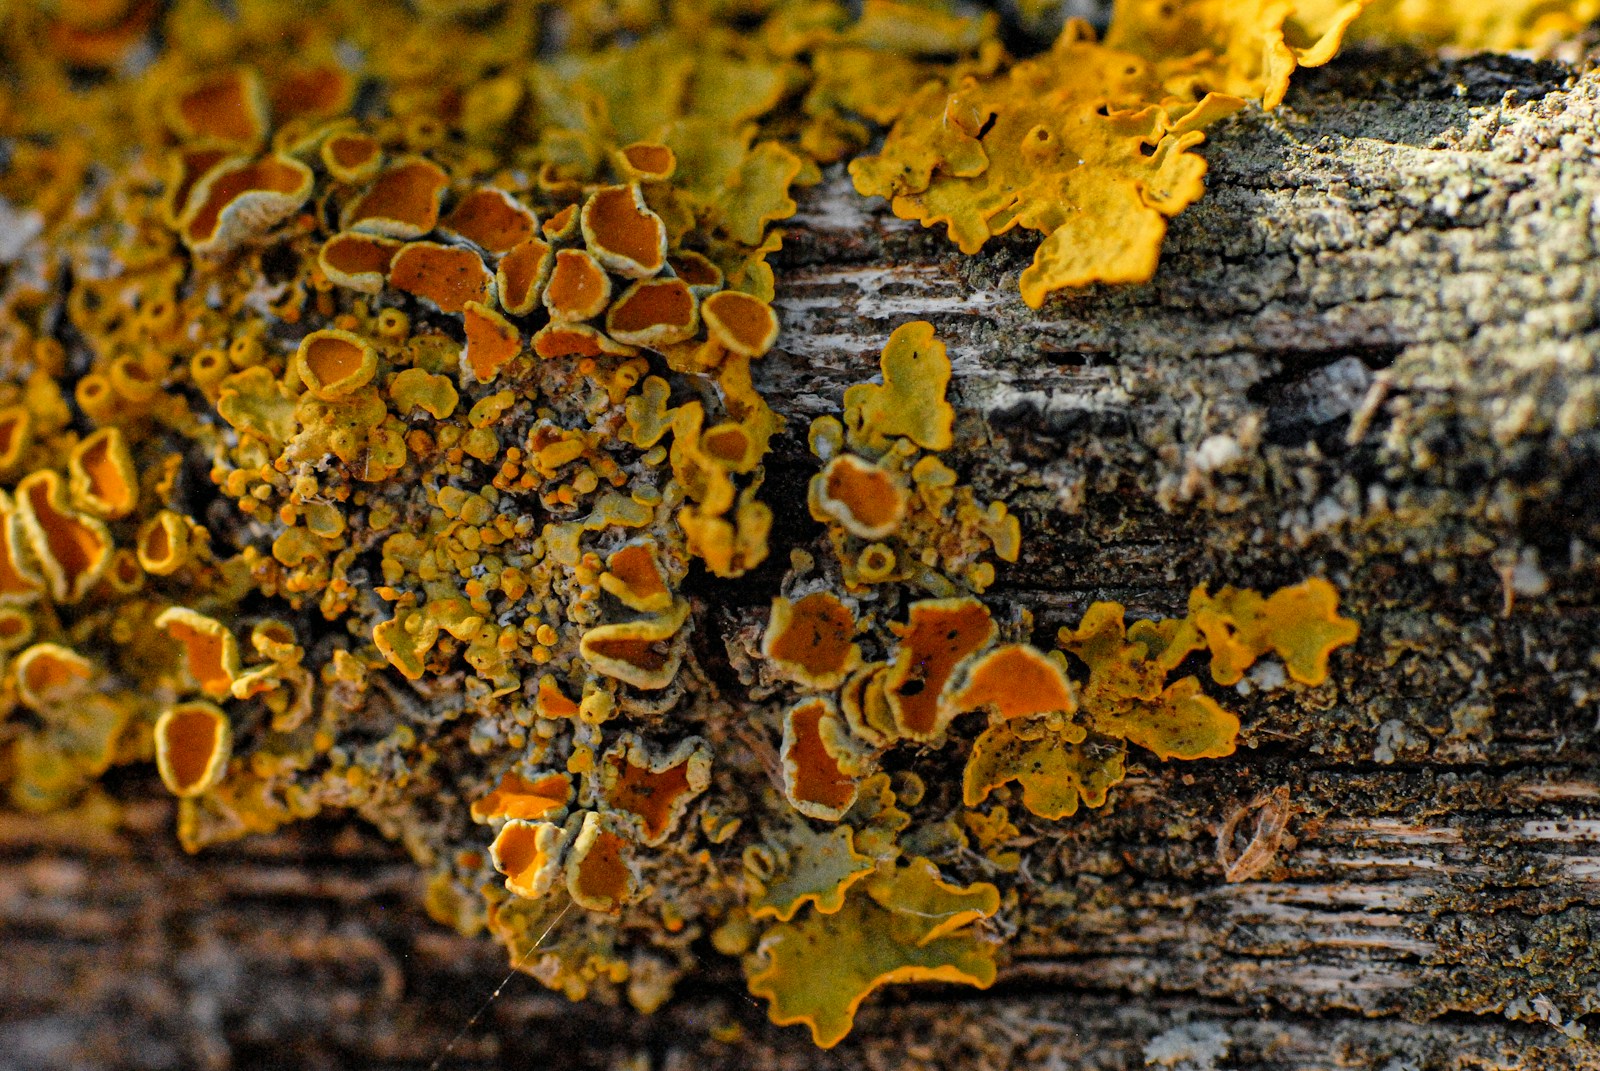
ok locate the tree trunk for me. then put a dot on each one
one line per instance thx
(1369, 355)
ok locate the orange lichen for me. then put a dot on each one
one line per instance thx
(600, 872)
(352, 157)
(515, 797)
(102, 477)
(551, 703)
(529, 855)
(521, 275)
(447, 275)
(491, 219)
(16, 628)
(634, 576)
(18, 581)
(702, 275)
(185, 168)
(654, 312)
(163, 544)
(310, 91)
(517, 536)
(563, 224)
(49, 674)
(862, 496)
(644, 653)
(578, 289)
(358, 261)
(866, 707)
(402, 202)
(905, 925)
(334, 363)
(648, 161)
(243, 199)
(809, 641)
(622, 232)
(211, 652)
(576, 340)
(228, 107)
(492, 341)
(740, 323)
(938, 634)
(653, 791)
(1015, 681)
(193, 743)
(71, 549)
(822, 766)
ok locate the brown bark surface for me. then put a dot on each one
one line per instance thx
(1369, 355)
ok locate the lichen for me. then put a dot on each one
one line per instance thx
(381, 419)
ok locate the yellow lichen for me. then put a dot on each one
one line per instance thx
(906, 925)
(910, 402)
(799, 866)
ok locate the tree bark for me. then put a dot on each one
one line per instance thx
(1369, 354)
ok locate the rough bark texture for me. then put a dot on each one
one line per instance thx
(1369, 354)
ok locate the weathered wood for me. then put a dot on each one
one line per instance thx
(1369, 355)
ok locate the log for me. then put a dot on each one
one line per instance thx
(1369, 355)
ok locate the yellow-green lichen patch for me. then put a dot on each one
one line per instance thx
(1503, 26)
(797, 866)
(908, 925)
(1300, 624)
(1050, 763)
